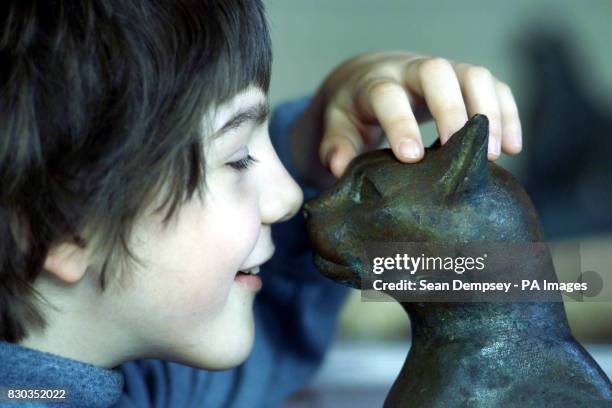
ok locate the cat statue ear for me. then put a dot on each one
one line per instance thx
(465, 167)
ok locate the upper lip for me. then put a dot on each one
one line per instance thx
(266, 259)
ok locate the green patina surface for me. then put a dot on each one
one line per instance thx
(479, 354)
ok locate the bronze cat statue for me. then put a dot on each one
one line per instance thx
(463, 354)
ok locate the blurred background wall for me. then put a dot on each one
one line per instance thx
(510, 38)
(311, 37)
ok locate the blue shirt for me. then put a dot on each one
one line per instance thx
(295, 319)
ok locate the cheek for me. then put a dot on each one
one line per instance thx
(188, 275)
(227, 235)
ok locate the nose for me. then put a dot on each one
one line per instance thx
(281, 199)
(289, 199)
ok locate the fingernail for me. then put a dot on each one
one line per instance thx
(410, 149)
(336, 166)
(514, 138)
(495, 147)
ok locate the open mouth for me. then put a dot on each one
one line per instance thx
(251, 271)
(339, 272)
(249, 278)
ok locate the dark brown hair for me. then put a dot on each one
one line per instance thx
(101, 107)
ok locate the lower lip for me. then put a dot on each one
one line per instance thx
(252, 282)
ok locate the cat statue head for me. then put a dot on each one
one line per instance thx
(454, 195)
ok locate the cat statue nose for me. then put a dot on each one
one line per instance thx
(312, 207)
(306, 211)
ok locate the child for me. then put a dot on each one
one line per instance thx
(140, 186)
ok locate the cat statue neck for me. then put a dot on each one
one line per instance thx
(477, 354)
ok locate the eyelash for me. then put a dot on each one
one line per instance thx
(243, 164)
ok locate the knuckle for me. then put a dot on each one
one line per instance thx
(399, 125)
(434, 65)
(353, 144)
(478, 73)
(381, 89)
(494, 123)
(453, 111)
(332, 115)
(503, 88)
(494, 118)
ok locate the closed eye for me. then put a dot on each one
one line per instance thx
(368, 190)
(242, 164)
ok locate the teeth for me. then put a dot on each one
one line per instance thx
(253, 271)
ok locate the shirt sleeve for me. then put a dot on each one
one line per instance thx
(295, 318)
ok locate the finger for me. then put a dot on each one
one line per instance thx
(480, 95)
(341, 141)
(512, 139)
(435, 80)
(391, 107)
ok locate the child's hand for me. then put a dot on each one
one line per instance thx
(393, 91)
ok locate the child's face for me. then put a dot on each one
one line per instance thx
(186, 304)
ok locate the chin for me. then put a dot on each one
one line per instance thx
(237, 344)
(215, 355)
(220, 343)
(231, 353)
(232, 360)
(225, 347)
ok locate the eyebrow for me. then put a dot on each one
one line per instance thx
(256, 114)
